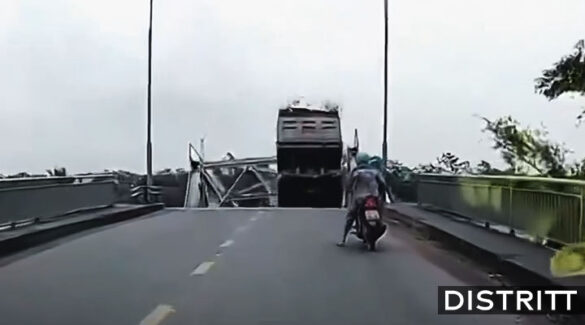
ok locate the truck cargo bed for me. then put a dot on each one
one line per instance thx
(309, 152)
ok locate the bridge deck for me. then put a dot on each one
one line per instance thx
(269, 267)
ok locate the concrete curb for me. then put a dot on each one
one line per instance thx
(27, 240)
(517, 273)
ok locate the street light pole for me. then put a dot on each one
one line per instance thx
(385, 140)
(202, 147)
(149, 113)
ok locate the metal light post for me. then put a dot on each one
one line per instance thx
(202, 147)
(149, 118)
(385, 140)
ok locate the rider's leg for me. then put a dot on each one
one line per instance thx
(349, 220)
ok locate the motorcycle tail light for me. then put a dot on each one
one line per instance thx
(371, 203)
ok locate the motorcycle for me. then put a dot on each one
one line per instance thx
(369, 226)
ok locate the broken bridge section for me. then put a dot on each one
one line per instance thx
(248, 182)
(231, 182)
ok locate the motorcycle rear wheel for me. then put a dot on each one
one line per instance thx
(372, 246)
(369, 240)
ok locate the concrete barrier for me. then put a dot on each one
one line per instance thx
(42, 201)
(18, 240)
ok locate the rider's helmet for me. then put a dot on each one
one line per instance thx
(376, 162)
(362, 159)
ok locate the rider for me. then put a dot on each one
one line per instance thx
(378, 163)
(365, 180)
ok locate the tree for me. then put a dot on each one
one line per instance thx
(528, 151)
(577, 170)
(566, 76)
(57, 171)
(485, 168)
(19, 175)
(447, 163)
(397, 170)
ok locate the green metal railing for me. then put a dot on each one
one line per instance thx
(545, 208)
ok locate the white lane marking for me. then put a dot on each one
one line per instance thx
(254, 218)
(202, 268)
(226, 243)
(157, 315)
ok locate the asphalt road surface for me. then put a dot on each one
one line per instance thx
(233, 267)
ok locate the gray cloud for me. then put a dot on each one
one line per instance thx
(74, 75)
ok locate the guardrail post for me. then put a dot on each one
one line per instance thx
(510, 206)
(581, 214)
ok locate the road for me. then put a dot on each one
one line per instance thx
(240, 266)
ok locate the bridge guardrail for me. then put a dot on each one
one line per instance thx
(544, 208)
(33, 203)
(37, 181)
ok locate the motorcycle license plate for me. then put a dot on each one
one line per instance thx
(372, 215)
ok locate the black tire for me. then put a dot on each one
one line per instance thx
(372, 246)
(368, 239)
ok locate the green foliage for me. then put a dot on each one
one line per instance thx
(526, 150)
(566, 76)
(447, 163)
(577, 170)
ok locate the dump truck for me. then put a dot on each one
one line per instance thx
(309, 158)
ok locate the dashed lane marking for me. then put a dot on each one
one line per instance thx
(157, 315)
(226, 243)
(202, 268)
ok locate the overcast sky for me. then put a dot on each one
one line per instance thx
(73, 75)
